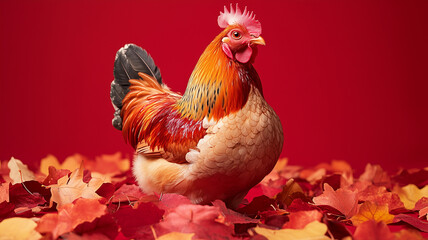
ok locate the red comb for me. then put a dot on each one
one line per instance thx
(245, 18)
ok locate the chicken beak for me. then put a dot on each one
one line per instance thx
(258, 40)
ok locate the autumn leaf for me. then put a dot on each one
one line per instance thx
(70, 215)
(176, 236)
(372, 230)
(376, 175)
(201, 220)
(19, 229)
(54, 175)
(380, 196)
(70, 163)
(300, 219)
(108, 164)
(132, 221)
(70, 188)
(422, 207)
(343, 200)
(410, 194)
(4, 192)
(290, 191)
(19, 172)
(372, 211)
(313, 230)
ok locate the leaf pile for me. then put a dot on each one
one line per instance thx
(98, 199)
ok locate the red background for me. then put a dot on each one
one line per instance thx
(349, 79)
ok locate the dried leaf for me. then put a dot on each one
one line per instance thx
(343, 200)
(70, 188)
(19, 229)
(313, 230)
(410, 194)
(19, 172)
(371, 211)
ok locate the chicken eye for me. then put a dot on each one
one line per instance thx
(236, 35)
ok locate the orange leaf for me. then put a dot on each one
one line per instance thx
(372, 211)
(71, 215)
(298, 220)
(70, 188)
(343, 200)
(4, 192)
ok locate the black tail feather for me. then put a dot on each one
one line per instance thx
(130, 60)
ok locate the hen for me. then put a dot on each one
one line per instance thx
(218, 139)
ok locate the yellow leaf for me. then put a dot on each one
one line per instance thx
(410, 194)
(19, 228)
(48, 161)
(280, 164)
(19, 172)
(176, 236)
(372, 211)
(70, 188)
(313, 231)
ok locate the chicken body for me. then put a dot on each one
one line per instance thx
(216, 141)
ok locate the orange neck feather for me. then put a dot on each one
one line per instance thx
(218, 85)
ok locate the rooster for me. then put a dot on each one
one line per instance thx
(218, 139)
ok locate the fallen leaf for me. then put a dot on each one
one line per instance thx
(127, 193)
(371, 211)
(343, 200)
(22, 197)
(54, 175)
(372, 230)
(101, 226)
(176, 236)
(132, 220)
(70, 188)
(380, 196)
(109, 164)
(418, 177)
(6, 210)
(19, 229)
(422, 207)
(290, 191)
(408, 234)
(19, 172)
(410, 194)
(201, 220)
(259, 204)
(71, 215)
(376, 175)
(298, 220)
(4, 192)
(313, 230)
(414, 221)
(231, 216)
(49, 161)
